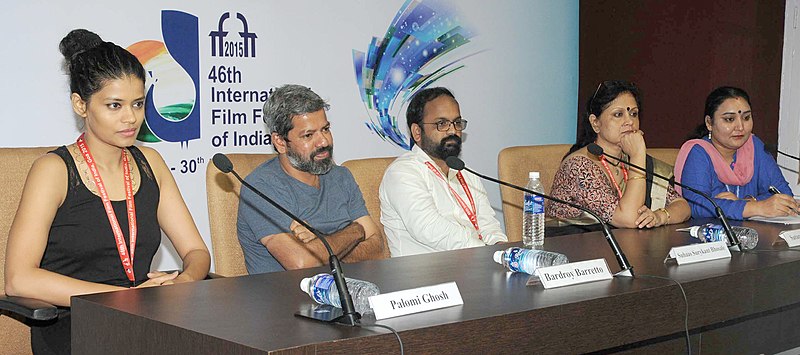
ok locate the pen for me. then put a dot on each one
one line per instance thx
(774, 190)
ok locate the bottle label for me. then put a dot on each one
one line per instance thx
(529, 202)
(538, 204)
(322, 287)
(533, 204)
(713, 233)
(513, 255)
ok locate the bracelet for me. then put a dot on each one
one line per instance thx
(665, 212)
(637, 177)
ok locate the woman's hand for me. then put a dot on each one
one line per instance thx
(633, 145)
(158, 278)
(649, 219)
(727, 195)
(776, 206)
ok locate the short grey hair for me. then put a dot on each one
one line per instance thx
(288, 101)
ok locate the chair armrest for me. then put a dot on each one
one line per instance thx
(28, 307)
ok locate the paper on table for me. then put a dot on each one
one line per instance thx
(779, 220)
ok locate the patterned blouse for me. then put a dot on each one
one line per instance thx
(579, 180)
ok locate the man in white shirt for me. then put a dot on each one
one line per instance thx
(425, 206)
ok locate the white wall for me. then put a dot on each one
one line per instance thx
(519, 89)
(789, 124)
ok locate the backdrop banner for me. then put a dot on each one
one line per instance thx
(512, 66)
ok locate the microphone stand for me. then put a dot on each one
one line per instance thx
(733, 240)
(627, 270)
(349, 315)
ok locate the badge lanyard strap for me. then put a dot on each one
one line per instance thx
(471, 213)
(124, 257)
(608, 170)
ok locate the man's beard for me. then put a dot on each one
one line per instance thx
(449, 146)
(310, 165)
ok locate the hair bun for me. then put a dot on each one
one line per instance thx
(77, 42)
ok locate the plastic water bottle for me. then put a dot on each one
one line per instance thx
(323, 290)
(527, 260)
(533, 214)
(748, 237)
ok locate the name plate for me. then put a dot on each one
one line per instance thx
(694, 253)
(574, 273)
(415, 300)
(791, 237)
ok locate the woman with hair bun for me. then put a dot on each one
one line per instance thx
(92, 212)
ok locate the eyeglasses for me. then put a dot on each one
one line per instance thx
(444, 125)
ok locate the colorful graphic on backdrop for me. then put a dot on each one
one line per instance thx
(172, 113)
(405, 61)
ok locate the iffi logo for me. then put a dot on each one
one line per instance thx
(172, 104)
(222, 46)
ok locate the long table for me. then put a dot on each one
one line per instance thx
(749, 303)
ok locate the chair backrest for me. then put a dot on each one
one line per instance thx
(513, 165)
(223, 207)
(368, 174)
(667, 155)
(14, 166)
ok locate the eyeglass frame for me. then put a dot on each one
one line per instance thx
(441, 126)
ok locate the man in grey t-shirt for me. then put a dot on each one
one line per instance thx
(304, 180)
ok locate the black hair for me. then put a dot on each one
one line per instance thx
(606, 92)
(416, 107)
(714, 99)
(91, 62)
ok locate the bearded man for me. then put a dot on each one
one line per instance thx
(303, 179)
(426, 206)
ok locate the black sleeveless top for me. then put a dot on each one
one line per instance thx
(81, 244)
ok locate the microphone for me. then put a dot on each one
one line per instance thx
(732, 238)
(349, 316)
(627, 270)
(773, 149)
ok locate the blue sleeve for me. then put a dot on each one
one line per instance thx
(698, 173)
(768, 173)
(355, 204)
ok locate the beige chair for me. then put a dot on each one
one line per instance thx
(223, 207)
(513, 165)
(667, 155)
(368, 174)
(14, 165)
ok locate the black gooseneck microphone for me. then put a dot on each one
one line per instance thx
(349, 316)
(732, 238)
(456, 163)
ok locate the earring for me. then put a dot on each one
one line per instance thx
(709, 135)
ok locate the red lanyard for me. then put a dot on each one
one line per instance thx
(127, 262)
(471, 213)
(624, 174)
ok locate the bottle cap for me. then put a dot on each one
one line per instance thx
(694, 231)
(305, 285)
(498, 256)
(533, 175)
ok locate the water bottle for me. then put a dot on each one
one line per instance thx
(748, 237)
(533, 214)
(323, 290)
(527, 260)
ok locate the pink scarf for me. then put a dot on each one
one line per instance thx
(742, 170)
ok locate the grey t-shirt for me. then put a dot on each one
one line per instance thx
(336, 204)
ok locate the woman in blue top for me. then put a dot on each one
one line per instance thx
(729, 163)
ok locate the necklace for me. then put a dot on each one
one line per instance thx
(611, 175)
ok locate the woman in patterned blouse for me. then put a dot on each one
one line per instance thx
(621, 195)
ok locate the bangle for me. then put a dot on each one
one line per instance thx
(665, 212)
(635, 177)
